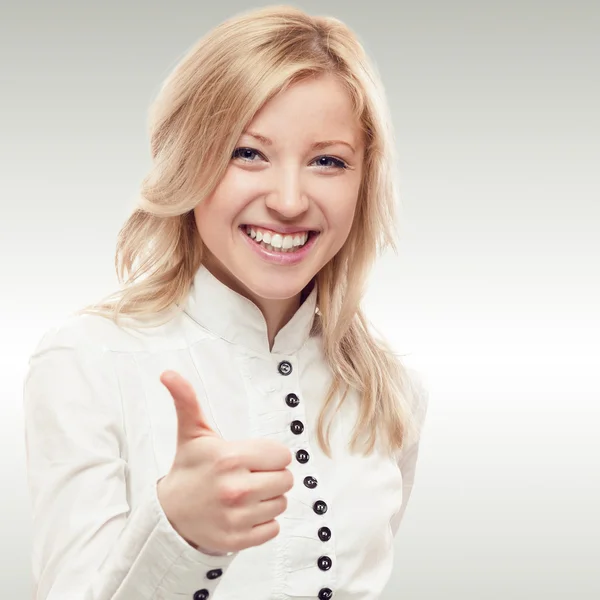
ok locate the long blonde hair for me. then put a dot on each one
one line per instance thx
(195, 123)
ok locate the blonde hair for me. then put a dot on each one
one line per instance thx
(195, 123)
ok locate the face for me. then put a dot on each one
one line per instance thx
(286, 203)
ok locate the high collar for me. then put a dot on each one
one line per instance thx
(236, 319)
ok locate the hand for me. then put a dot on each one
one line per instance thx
(221, 496)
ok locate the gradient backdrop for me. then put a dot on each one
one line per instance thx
(494, 295)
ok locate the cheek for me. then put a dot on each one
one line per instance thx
(219, 209)
(338, 202)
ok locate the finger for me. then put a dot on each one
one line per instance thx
(265, 485)
(263, 455)
(265, 511)
(191, 421)
(259, 534)
(260, 512)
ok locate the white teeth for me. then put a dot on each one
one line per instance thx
(281, 243)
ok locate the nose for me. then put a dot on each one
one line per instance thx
(287, 197)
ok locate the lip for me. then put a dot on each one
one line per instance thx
(280, 258)
(282, 229)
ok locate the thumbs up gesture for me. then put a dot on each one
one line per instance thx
(221, 496)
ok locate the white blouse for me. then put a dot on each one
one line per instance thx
(100, 431)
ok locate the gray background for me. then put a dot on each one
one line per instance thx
(495, 294)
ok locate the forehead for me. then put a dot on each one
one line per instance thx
(316, 107)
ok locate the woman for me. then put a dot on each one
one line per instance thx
(226, 425)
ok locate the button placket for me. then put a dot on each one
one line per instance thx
(296, 423)
(302, 457)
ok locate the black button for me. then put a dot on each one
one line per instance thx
(324, 563)
(297, 427)
(285, 367)
(214, 574)
(324, 534)
(320, 507)
(292, 400)
(325, 594)
(310, 482)
(302, 456)
(203, 594)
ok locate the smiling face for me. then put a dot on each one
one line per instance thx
(296, 170)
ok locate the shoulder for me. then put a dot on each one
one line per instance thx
(96, 334)
(83, 331)
(74, 351)
(71, 387)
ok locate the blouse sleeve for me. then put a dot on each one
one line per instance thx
(88, 543)
(408, 458)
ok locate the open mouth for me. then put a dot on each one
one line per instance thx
(277, 242)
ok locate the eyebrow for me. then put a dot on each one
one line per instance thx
(316, 146)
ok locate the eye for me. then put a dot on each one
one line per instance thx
(329, 162)
(246, 154)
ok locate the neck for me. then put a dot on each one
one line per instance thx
(276, 312)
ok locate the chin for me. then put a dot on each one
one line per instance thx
(280, 291)
(274, 288)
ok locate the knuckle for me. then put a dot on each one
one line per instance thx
(228, 461)
(232, 495)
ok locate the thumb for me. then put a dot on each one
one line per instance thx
(191, 421)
